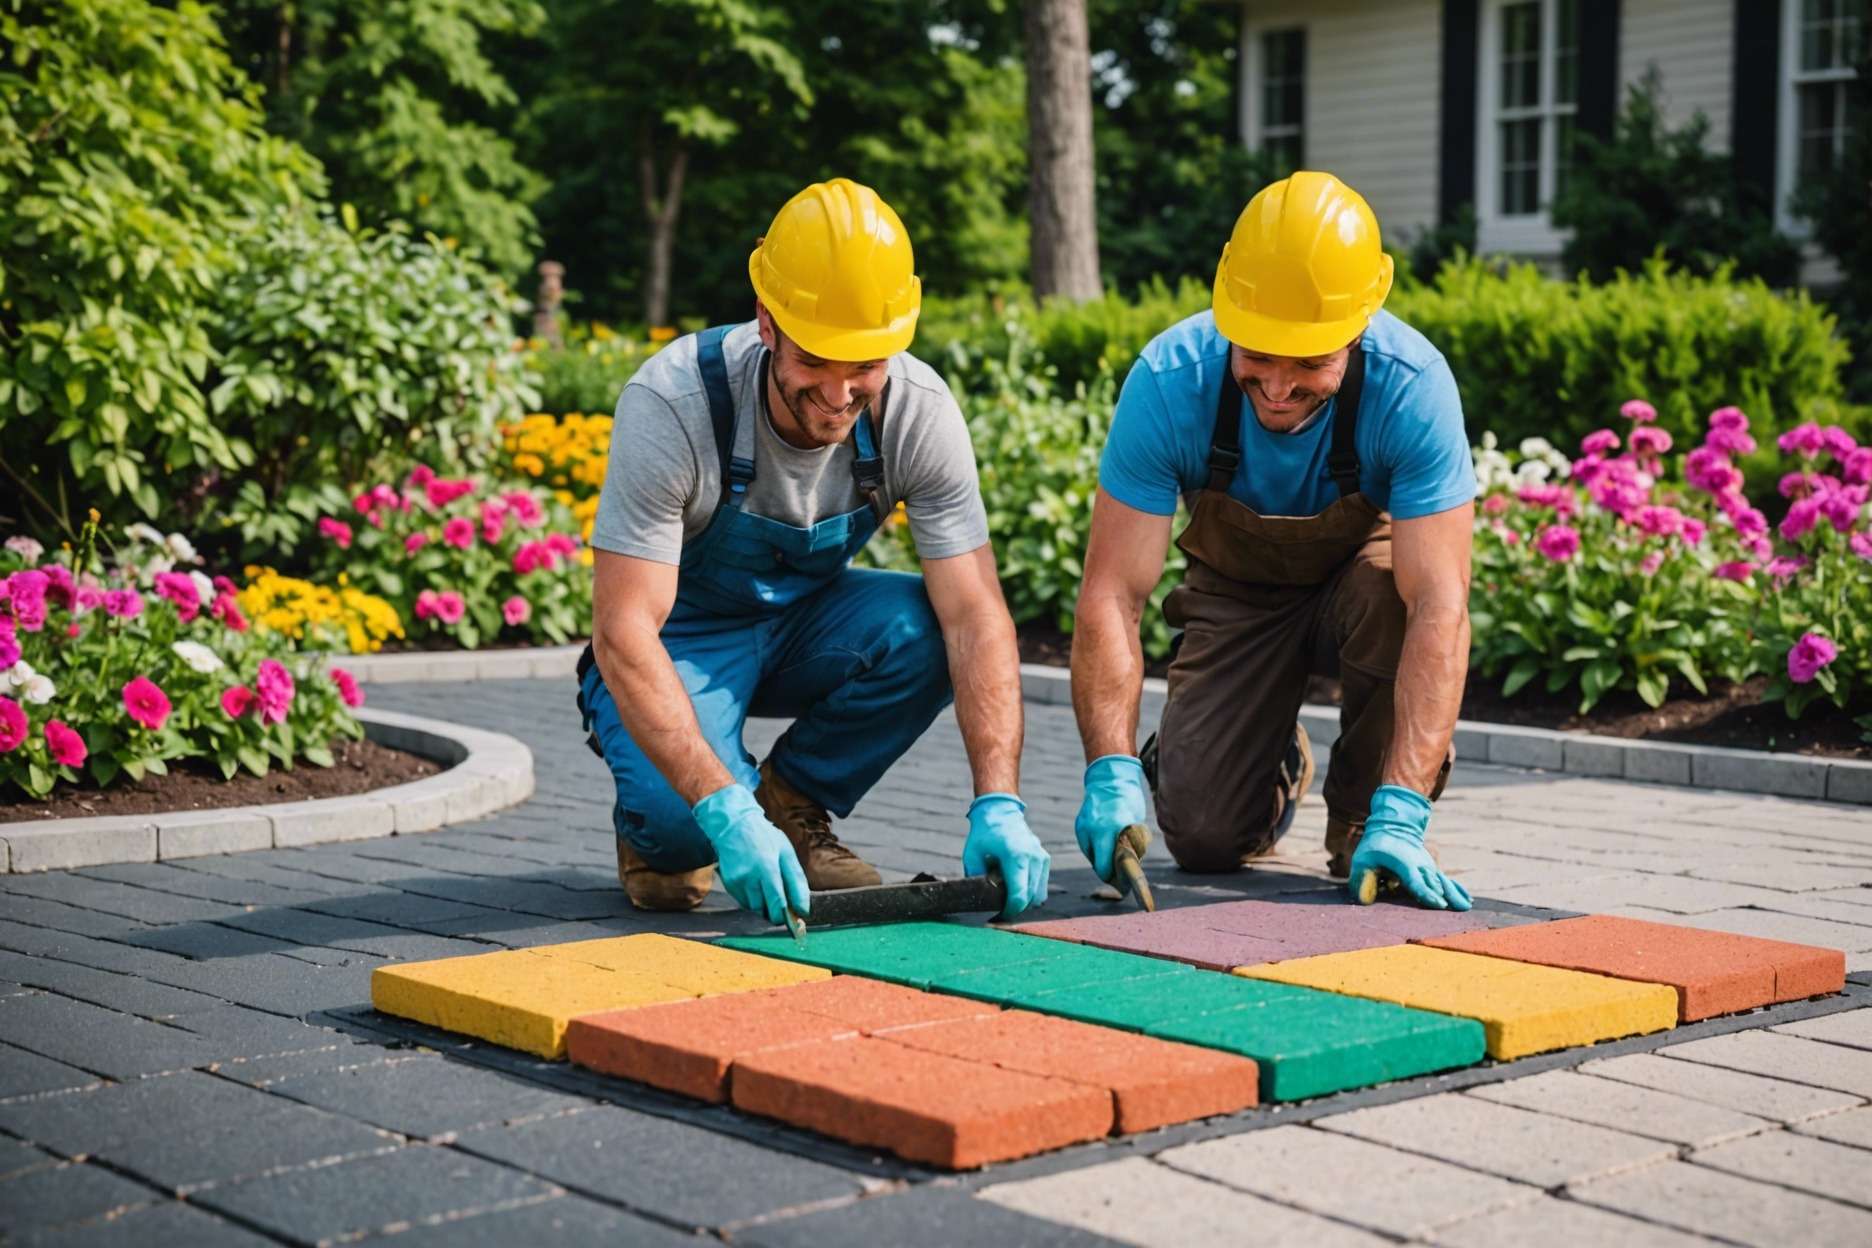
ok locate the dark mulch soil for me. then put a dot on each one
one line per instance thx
(1730, 716)
(359, 767)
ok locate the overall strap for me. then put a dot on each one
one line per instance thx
(1225, 438)
(1342, 461)
(868, 461)
(736, 472)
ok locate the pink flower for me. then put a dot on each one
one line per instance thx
(525, 508)
(449, 606)
(1659, 521)
(348, 691)
(1841, 507)
(12, 725)
(236, 701)
(1838, 442)
(9, 648)
(1598, 442)
(1693, 531)
(415, 542)
(1510, 538)
(1558, 497)
(441, 491)
(532, 556)
(1638, 411)
(562, 544)
(1739, 571)
(1495, 504)
(1795, 485)
(1730, 441)
(337, 530)
(1651, 563)
(1749, 522)
(1728, 418)
(419, 477)
(1783, 568)
(364, 504)
(1805, 440)
(180, 590)
(1650, 441)
(516, 610)
(65, 746)
(1811, 653)
(459, 532)
(123, 603)
(1558, 542)
(274, 685)
(146, 703)
(89, 598)
(1800, 518)
(1861, 544)
(1856, 468)
(59, 585)
(27, 592)
(1707, 469)
(226, 608)
(493, 520)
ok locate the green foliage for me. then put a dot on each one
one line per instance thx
(585, 375)
(135, 171)
(1651, 190)
(402, 103)
(343, 345)
(1839, 205)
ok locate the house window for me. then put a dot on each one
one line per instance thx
(1535, 75)
(1828, 45)
(1282, 129)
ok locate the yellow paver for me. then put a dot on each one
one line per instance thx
(1523, 1008)
(524, 999)
(703, 968)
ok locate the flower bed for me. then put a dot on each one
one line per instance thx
(122, 670)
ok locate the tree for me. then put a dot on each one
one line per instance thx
(1062, 209)
(403, 105)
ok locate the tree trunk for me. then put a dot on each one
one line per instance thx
(1064, 224)
(660, 212)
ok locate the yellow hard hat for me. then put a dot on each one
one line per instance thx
(836, 273)
(1304, 271)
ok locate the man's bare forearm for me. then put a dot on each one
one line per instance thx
(655, 708)
(1431, 672)
(984, 666)
(1107, 676)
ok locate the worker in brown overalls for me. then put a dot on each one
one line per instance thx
(1329, 533)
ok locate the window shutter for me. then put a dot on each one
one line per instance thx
(1755, 84)
(1456, 159)
(1598, 67)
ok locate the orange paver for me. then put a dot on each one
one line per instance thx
(690, 1046)
(1153, 1083)
(1713, 972)
(921, 1106)
(869, 1005)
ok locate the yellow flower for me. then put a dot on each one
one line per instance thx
(301, 609)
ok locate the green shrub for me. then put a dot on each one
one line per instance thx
(134, 165)
(588, 373)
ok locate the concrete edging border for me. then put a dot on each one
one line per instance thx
(486, 771)
(1574, 753)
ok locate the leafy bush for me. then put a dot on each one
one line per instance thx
(588, 373)
(1612, 573)
(134, 167)
(464, 563)
(126, 672)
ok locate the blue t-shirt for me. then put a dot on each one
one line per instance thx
(1413, 453)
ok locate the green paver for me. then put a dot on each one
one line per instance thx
(906, 953)
(1134, 1005)
(1014, 983)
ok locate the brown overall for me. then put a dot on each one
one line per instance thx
(1268, 600)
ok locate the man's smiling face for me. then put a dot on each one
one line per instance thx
(820, 400)
(1286, 389)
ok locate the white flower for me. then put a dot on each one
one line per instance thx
(1532, 471)
(204, 588)
(1536, 447)
(26, 548)
(15, 677)
(180, 549)
(198, 656)
(140, 532)
(38, 689)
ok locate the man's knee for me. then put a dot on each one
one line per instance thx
(908, 641)
(1206, 837)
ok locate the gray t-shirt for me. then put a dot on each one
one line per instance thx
(664, 477)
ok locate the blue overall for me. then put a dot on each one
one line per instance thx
(771, 620)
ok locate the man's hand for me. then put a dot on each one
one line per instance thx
(758, 866)
(998, 837)
(1393, 843)
(1114, 800)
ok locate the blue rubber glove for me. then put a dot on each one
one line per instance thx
(998, 837)
(1114, 800)
(1394, 842)
(757, 863)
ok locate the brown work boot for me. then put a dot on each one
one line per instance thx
(828, 864)
(660, 890)
(1295, 778)
(1342, 835)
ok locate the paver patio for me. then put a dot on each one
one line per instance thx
(200, 1029)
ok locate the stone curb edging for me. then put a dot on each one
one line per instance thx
(487, 771)
(404, 667)
(1574, 753)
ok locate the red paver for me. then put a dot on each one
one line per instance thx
(869, 1005)
(1713, 972)
(921, 1106)
(1153, 1083)
(690, 1046)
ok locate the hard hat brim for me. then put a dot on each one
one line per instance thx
(1267, 335)
(849, 346)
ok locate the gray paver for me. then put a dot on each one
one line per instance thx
(110, 989)
(232, 1130)
(927, 1213)
(1140, 1202)
(1852, 1127)
(427, 1096)
(357, 1197)
(23, 1073)
(562, 1222)
(1557, 1223)
(1710, 1202)
(1623, 1106)
(54, 1195)
(1500, 1139)
(1793, 1058)
(1775, 1099)
(1849, 1027)
(1836, 1171)
(651, 1164)
(236, 1033)
(1397, 1192)
(168, 1225)
(17, 1157)
(95, 1039)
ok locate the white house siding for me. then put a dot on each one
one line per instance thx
(1372, 87)
(1692, 43)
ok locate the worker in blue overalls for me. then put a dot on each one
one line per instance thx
(748, 465)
